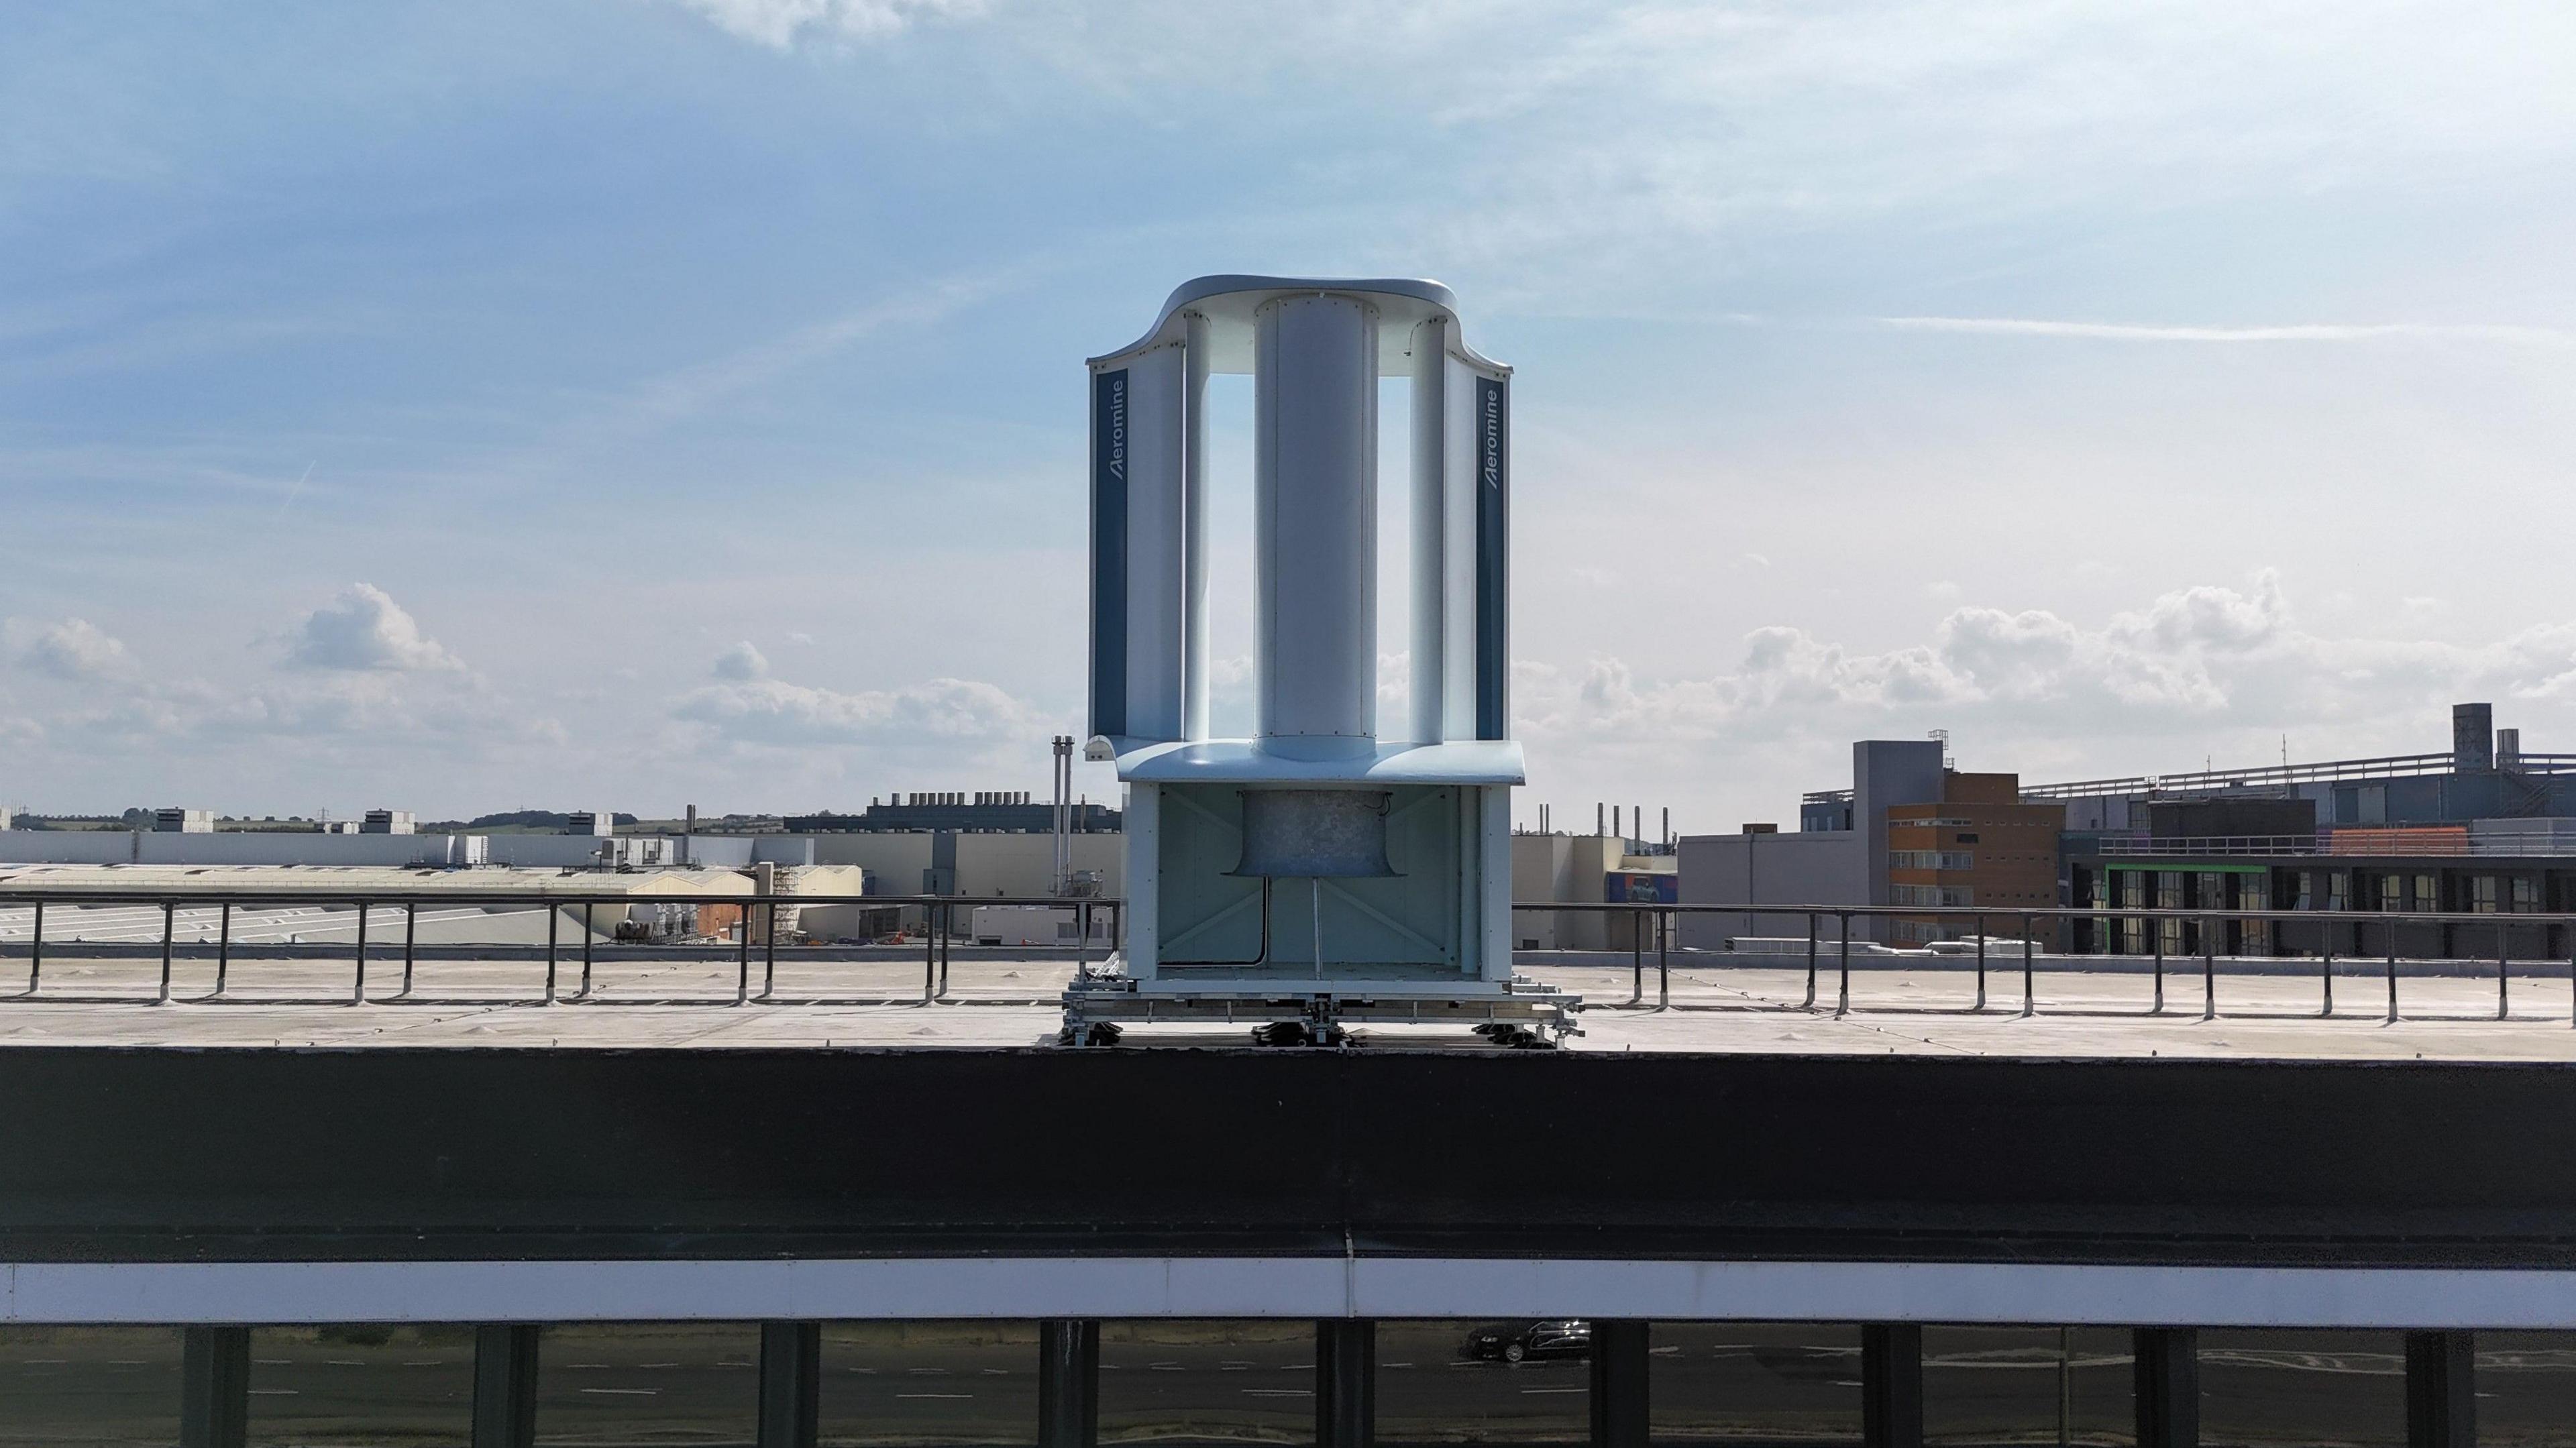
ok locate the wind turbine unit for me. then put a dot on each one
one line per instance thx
(1334, 866)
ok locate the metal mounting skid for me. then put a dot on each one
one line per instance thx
(1325, 870)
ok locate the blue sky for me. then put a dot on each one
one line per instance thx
(423, 404)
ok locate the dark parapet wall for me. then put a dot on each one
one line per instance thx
(174, 1155)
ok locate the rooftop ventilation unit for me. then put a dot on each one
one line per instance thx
(1330, 867)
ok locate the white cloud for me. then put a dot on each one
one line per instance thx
(782, 23)
(364, 629)
(939, 714)
(741, 661)
(2028, 689)
(75, 649)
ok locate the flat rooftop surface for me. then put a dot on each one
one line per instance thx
(2265, 1011)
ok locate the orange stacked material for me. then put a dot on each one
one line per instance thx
(2400, 840)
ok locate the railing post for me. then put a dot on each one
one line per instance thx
(1663, 960)
(169, 922)
(1636, 961)
(589, 928)
(929, 953)
(1809, 1003)
(411, 936)
(2326, 977)
(554, 917)
(1981, 962)
(947, 941)
(2156, 933)
(742, 962)
(223, 945)
(2392, 972)
(2029, 985)
(769, 949)
(36, 951)
(358, 984)
(2504, 972)
(1842, 992)
(2208, 974)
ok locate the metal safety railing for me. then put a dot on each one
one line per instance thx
(939, 916)
(2289, 938)
(2190, 933)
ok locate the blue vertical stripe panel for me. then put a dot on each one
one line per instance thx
(1109, 552)
(1493, 551)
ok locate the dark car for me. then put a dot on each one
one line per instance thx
(1511, 1342)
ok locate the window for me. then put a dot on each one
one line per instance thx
(2298, 1389)
(1931, 860)
(1432, 1389)
(1185, 1383)
(2254, 892)
(2482, 894)
(2526, 895)
(2428, 892)
(2526, 1386)
(89, 1385)
(1754, 1382)
(1934, 896)
(369, 1383)
(957, 1383)
(2027, 1385)
(648, 1382)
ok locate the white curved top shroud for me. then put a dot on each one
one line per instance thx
(1227, 302)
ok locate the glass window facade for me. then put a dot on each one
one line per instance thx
(1188, 1383)
(973, 1384)
(2254, 892)
(1754, 1383)
(363, 1384)
(2302, 1389)
(1430, 1389)
(1521, 1382)
(648, 1383)
(89, 1386)
(1985, 1387)
(2170, 895)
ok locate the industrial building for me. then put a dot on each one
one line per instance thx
(960, 812)
(930, 860)
(2484, 827)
